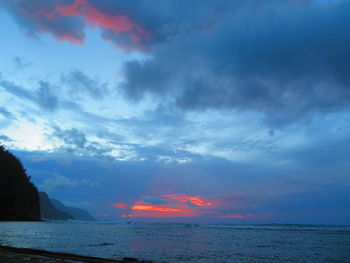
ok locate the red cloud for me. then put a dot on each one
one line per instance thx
(93, 17)
(119, 205)
(67, 23)
(72, 39)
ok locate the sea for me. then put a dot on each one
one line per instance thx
(195, 243)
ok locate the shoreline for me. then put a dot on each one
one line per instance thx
(19, 255)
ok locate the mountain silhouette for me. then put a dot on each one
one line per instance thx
(52, 209)
(19, 198)
(49, 211)
(77, 213)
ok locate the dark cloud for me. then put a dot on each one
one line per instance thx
(168, 18)
(74, 142)
(43, 97)
(283, 59)
(16, 90)
(39, 16)
(21, 63)
(128, 25)
(155, 120)
(71, 137)
(162, 20)
(6, 113)
(46, 99)
(58, 182)
(67, 20)
(81, 84)
(154, 200)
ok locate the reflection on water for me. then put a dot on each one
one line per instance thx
(185, 243)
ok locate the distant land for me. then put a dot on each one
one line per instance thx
(77, 213)
(52, 209)
(20, 199)
(49, 212)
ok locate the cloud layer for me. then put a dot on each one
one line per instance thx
(67, 21)
(285, 59)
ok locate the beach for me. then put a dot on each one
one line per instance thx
(21, 255)
(10, 257)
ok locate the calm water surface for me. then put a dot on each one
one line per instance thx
(185, 243)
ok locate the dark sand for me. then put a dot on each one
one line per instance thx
(22, 255)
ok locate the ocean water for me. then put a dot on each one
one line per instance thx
(185, 242)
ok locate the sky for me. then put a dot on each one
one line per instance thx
(225, 111)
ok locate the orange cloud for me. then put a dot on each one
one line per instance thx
(181, 205)
(72, 39)
(140, 205)
(175, 205)
(196, 200)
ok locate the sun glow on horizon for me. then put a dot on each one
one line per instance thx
(173, 205)
(196, 200)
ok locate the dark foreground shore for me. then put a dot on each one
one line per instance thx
(21, 255)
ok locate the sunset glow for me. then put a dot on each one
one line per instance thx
(113, 25)
(160, 208)
(173, 205)
(196, 200)
(93, 17)
(155, 214)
